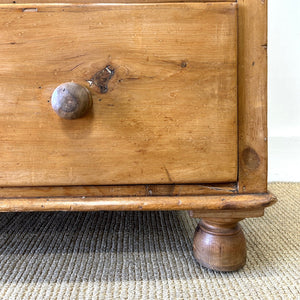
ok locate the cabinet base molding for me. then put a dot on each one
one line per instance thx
(240, 204)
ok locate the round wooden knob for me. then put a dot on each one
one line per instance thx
(71, 100)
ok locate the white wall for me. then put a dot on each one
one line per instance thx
(284, 90)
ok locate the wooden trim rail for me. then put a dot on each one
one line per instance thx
(213, 202)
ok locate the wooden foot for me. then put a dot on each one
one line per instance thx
(220, 244)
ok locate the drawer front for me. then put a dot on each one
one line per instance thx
(169, 114)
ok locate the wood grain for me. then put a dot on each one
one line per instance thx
(211, 202)
(118, 190)
(220, 244)
(105, 1)
(169, 115)
(252, 95)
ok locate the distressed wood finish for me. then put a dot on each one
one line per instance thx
(169, 115)
(119, 190)
(252, 95)
(208, 203)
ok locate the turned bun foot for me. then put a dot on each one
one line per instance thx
(220, 244)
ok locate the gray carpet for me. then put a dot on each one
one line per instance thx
(144, 255)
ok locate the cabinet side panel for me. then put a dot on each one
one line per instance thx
(252, 95)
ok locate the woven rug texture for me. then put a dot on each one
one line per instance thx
(145, 255)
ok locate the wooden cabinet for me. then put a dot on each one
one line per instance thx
(176, 118)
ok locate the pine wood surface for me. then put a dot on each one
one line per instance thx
(206, 202)
(119, 190)
(169, 115)
(252, 95)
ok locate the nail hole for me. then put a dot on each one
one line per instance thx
(183, 64)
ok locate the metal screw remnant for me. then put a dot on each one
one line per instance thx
(183, 64)
(101, 78)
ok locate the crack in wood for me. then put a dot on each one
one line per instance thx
(168, 174)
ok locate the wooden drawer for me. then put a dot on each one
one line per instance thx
(169, 114)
